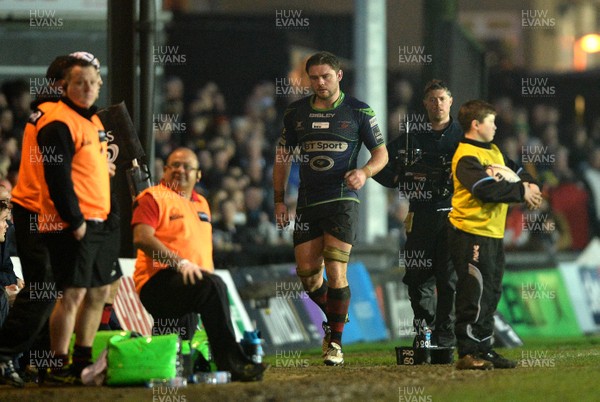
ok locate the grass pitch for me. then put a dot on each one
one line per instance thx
(549, 370)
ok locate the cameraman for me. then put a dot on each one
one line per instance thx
(419, 166)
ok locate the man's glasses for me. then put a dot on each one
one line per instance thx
(185, 166)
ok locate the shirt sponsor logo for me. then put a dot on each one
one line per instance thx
(320, 125)
(332, 146)
(322, 115)
(321, 163)
(376, 131)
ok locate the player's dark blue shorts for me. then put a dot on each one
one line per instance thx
(337, 218)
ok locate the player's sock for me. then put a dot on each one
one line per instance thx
(338, 301)
(82, 357)
(319, 296)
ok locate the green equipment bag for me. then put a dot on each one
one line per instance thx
(133, 361)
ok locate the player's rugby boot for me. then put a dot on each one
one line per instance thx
(334, 355)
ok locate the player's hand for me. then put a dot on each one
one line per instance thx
(282, 217)
(112, 169)
(20, 283)
(355, 179)
(190, 272)
(79, 233)
(533, 195)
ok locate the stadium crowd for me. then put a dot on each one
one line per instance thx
(236, 154)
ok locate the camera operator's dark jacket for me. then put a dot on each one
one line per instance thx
(433, 169)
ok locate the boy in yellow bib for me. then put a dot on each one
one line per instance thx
(477, 221)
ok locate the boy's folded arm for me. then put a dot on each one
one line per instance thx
(473, 176)
(519, 170)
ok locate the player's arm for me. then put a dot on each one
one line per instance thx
(55, 141)
(281, 172)
(281, 168)
(372, 137)
(379, 159)
(356, 178)
(471, 173)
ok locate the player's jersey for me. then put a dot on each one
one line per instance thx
(328, 142)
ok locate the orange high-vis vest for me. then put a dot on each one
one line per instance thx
(184, 227)
(26, 192)
(89, 170)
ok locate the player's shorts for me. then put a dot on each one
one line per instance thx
(337, 218)
(87, 263)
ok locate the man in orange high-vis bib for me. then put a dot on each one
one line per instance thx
(74, 205)
(174, 268)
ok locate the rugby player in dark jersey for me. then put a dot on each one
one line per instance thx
(324, 132)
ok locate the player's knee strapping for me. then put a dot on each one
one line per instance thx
(335, 254)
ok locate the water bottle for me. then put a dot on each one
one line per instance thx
(427, 337)
(252, 346)
(423, 338)
(177, 382)
(215, 377)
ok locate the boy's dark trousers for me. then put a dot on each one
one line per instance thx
(479, 264)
